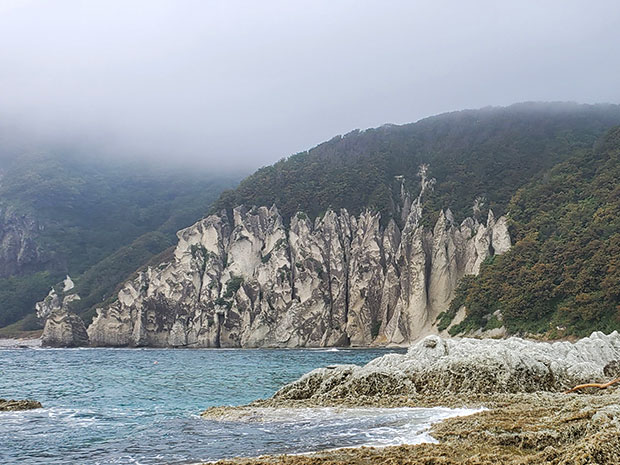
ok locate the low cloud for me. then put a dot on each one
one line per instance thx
(240, 84)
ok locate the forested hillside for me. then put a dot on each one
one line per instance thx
(488, 153)
(562, 276)
(549, 166)
(95, 220)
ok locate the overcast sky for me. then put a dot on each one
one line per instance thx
(245, 83)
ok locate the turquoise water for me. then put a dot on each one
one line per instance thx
(104, 406)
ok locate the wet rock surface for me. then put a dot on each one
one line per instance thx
(11, 405)
(525, 429)
(450, 366)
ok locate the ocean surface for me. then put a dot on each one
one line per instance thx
(142, 406)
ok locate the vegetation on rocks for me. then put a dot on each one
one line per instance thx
(562, 276)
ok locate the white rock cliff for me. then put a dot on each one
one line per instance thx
(248, 281)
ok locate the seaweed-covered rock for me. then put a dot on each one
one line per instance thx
(10, 405)
(435, 365)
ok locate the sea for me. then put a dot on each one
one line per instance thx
(142, 406)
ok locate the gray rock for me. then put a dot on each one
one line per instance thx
(64, 329)
(454, 366)
(12, 405)
(57, 299)
(19, 252)
(247, 281)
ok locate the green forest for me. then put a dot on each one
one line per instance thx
(562, 277)
(490, 152)
(550, 167)
(97, 221)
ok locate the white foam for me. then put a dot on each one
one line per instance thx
(370, 426)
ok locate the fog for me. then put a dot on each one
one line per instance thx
(240, 84)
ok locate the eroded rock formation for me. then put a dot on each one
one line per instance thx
(63, 328)
(57, 299)
(249, 281)
(454, 366)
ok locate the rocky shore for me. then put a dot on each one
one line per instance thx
(20, 343)
(528, 417)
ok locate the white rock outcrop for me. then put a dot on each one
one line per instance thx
(249, 281)
(449, 366)
(64, 329)
(56, 300)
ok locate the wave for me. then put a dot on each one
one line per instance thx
(353, 427)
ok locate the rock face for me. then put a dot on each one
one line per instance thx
(56, 299)
(454, 366)
(19, 252)
(248, 281)
(64, 329)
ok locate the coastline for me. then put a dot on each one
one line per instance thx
(527, 416)
(521, 383)
(20, 343)
(532, 428)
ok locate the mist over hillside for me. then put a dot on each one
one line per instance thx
(64, 212)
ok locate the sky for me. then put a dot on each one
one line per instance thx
(235, 85)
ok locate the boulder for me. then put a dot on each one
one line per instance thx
(11, 405)
(64, 329)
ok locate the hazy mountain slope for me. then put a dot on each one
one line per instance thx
(60, 214)
(489, 152)
(563, 274)
(261, 276)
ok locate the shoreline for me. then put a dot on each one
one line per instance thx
(20, 343)
(529, 416)
(528, 428)
(17, 343)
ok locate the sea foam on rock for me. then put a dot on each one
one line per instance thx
(450, 366)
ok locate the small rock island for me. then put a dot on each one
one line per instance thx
(12, 405)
